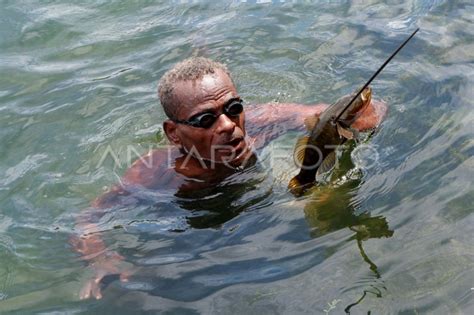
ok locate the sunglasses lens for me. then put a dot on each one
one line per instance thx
(206, 120)
(234, 109)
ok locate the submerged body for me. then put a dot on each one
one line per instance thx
(172, 171)
(317, 151)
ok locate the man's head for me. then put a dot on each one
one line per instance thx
(202, 105)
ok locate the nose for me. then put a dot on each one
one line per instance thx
(225, 124)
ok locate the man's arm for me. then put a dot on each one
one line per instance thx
(271, 120)
(266, 122)
(149, 171)
(287, 116)
(88, 242)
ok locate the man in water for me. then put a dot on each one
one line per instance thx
(212, 137)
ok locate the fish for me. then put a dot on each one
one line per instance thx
(316, 153)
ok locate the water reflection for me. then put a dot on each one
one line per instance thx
(331, 207)
(214, 202)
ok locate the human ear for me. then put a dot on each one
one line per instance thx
(170, 128)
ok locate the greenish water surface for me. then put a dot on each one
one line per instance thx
(391, 232)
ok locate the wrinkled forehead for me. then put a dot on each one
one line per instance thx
(211, 87)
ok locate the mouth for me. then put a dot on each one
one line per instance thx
(234, 152)
(235, 142)
(235, 147)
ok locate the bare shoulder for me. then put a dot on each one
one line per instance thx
(152, 170)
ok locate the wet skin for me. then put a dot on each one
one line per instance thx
(163, 169)
(224, 137)
(160, 169)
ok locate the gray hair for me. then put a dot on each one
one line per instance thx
(187, 70)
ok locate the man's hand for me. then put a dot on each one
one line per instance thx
(103, 265)
(371, 117)
(101, 260)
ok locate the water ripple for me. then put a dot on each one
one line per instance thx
(27, 165)
(78, 78)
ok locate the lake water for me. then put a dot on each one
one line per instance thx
(390, 232)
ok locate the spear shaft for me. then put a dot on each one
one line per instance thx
(376, 73)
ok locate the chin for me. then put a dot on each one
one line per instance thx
(237, 162)
(234, 155)
(243, 158)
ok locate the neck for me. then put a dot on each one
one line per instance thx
(198, 168)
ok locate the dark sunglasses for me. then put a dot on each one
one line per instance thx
(206, 120)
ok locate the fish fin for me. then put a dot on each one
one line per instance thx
(344, 132)
(311, 121)
(300, 148)
(297, 187)
(327, 164)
